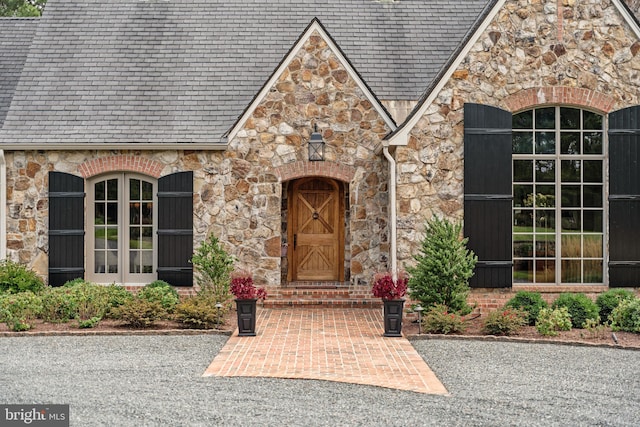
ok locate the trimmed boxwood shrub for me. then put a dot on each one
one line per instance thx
(161, 292)
(609, 300)
(531, 302)
(626, 316)
(580, 308)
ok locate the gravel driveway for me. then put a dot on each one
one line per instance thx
(156, 380)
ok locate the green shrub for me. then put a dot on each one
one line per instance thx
(626, 316)
(609, 300)
(116, 296)
(550, 321)
(18, 310)
(439, 320)
(505, 322)
(92, 300)
(140, 313)
(580, 308)
(16, 277)
(444, 267)
(58, 305)
(530, 302)
(212, 268)
(161, 292)
(200, 312)
(89, 323)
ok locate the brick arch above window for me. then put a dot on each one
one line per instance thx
(121, 163)
(302, 169)
(581, 97)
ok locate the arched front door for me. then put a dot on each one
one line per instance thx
(316, 230)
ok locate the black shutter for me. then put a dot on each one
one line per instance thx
(624, 197)
(487, 193)
(66, 228)
(175, 228)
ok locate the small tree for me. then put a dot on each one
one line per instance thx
(213, 266)
(444, 268)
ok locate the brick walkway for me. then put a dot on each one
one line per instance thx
(344, 345)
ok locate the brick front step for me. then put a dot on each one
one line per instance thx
(322, 296)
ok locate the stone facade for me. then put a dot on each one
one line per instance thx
(533, 52)
(239, 192)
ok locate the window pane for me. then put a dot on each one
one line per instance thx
(546, 118)
(112, 262)
(571, 271)
(571, 246)
(569, 118)
(112, 213)
(570, 220)
(592, 221)
(545, 220)
(147, 213)
(523, 245)
(593, 171)
(100, 262)
(592, 271)
(523, 219)
(134, 262)
(545, 246)
(545, 142)
(100, 215)
(112, 189)
(523, 120)
(592, 196)
(592, 121)
(134, 189)
(545, 271)
(147, 191)
(99, 190)
(147, 238)
(134, 213)
(523, 271)
(545, 170)
(545, 196)
(522, 142)
(570, 196)
(592, 245)
(570, 170)
(593, 143)
(523, 195)
(570, 143)
(147, 262)
(134, 237)
(523, 170)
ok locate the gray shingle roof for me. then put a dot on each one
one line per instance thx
(181, 71)
(15, 37)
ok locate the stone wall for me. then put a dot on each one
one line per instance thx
(583, 53)
(238, 192)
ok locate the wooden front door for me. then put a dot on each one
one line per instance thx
(316, 230)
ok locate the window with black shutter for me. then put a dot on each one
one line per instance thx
(175, 228)
(624, 197)
(487, 193)
(66, 228)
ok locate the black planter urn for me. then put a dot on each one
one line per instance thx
(246, 309)
(393, 317)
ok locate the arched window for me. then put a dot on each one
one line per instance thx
(122, 223)
(558, 196)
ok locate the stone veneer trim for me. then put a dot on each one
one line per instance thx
(120, 163)
(302, 169)
(536, 96)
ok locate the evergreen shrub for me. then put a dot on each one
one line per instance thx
(162, 292)
(530, 302)
(626, 316)
(444, 267)
(580, 308)
(608, 301)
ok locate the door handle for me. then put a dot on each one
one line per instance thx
(295, 240)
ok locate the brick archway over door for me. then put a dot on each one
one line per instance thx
(120, 163)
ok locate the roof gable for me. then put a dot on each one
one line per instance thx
(400, 135)
(314, 28)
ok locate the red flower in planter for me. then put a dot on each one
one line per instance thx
(242, 287)
(386, 288)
